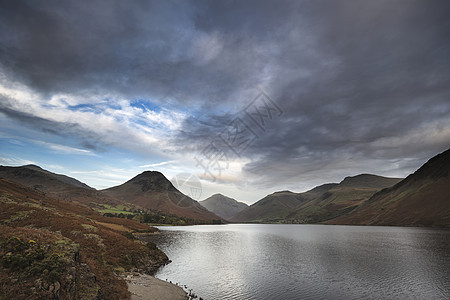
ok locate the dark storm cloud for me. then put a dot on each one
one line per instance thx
(357, 80)
(136, 49)
(370, 72)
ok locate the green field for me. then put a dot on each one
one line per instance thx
(118, 209)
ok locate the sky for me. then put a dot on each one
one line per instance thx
(247, 97)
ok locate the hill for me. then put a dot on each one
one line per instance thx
(339, 199)
(38, 178)
(152, 190)
(56, 185)
(421, 199)
(317, 205)
(223, 206)
(271, 208)
(54, 249)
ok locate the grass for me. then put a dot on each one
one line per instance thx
(115, 211)
(113, 226)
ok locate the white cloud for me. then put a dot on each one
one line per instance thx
(158, 164)
(114, 122)
(15, 161)
(64, 149)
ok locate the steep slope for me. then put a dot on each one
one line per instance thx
(55, 185)
(340, 199)
(421, 199)
(52, 249)
(152, 190)
(223, 206)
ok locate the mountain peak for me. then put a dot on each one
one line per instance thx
(149, 176)
(218, 195)
(368, 180)
(152, 173)
(359, 176)
(282, 192)
(152, 190)
(223, 206)
(151, 180)
(33, 167)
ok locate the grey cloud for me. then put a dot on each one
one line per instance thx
(373, 71)
(135, 49)
(346, 73)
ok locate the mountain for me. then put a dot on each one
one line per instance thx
(421, 199)
(35, 176)
(52, 249)
(152, 190)
(271, 208)
(317, 205)
(340, 198)
(56, 185)
(368, 181)
(223, 206)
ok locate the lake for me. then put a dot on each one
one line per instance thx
(259, 261)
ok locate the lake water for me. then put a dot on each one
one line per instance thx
(258, 261)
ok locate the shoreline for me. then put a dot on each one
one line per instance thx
(146, 287)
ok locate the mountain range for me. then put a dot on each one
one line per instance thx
(149, 190)
(421, 199)
(319, 204)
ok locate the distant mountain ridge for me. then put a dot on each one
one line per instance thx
(317, 205)
(223, 206)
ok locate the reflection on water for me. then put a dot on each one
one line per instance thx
(258, 261)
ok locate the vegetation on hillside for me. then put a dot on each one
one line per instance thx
(68, 239)
(149, 216)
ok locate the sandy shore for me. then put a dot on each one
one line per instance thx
(146, 287)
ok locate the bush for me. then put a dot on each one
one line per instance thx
(30, 258)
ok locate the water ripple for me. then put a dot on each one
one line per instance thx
(249, 262)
